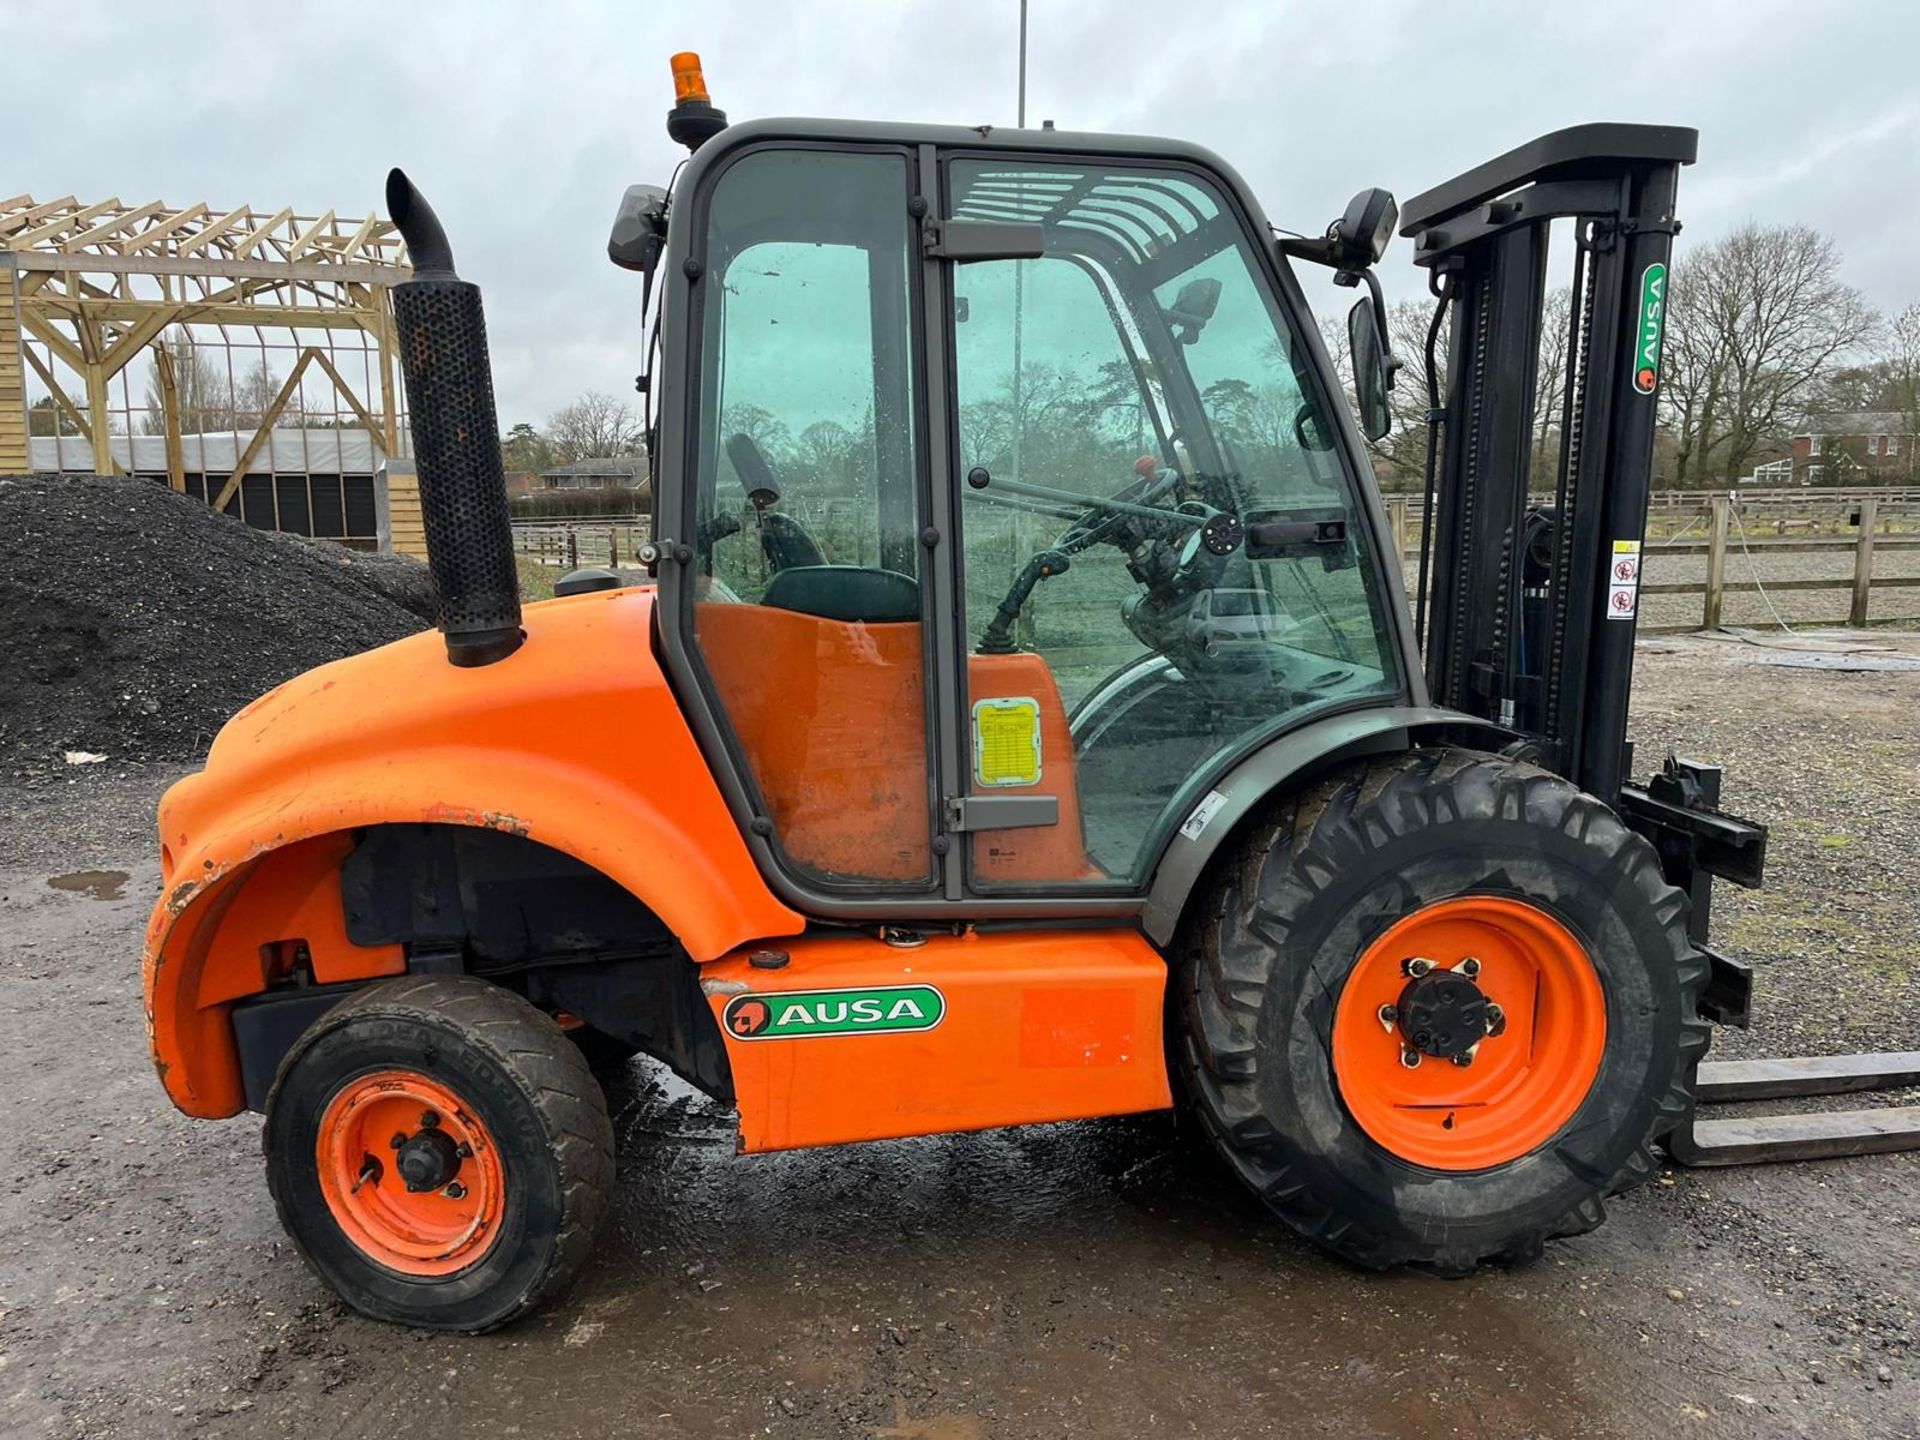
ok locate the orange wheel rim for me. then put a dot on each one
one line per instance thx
(1520, 1086)
(435, 1231)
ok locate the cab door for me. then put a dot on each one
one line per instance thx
(804, 600)
(1164, 555)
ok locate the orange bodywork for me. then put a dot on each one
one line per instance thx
(831, 715)
(1045, 1025)
(574, 741)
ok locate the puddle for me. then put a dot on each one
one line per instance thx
(100, 884)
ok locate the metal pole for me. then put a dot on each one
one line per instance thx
(1020, 525)
(1023, 64)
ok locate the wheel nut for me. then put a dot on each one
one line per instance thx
(1470, 967)
(1463, 1059)
(399, 1139)
(1496, 1019)
(1388, 1015)
(1410, 1057)
(429, 1119)
(1417, 966)
(455, 1191)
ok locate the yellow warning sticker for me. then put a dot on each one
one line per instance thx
(1006, 741)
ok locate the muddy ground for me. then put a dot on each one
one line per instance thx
(1095, 1279)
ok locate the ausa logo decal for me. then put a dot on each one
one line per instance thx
(797, 1014)
(1653, 321)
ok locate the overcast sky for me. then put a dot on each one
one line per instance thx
(523, 122)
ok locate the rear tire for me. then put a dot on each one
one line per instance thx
(516, 1164)
(1310, 1100)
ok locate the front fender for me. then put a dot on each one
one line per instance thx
(1284, 763)
(574, 741)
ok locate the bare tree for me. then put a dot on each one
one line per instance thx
(1550, 395)
(597, 424)
(254, 395)
(1900, 353)
(1754, 322)
(204, 388)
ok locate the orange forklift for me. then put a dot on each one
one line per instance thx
(1023, 720)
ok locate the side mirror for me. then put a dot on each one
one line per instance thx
(639, 229)
(1370, 368)
(1367, 226)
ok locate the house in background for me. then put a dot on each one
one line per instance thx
(618, 472)
(1864, 447)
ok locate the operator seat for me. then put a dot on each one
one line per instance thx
(856, 594)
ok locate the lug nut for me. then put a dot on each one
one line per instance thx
(455, 1191)
(399, 1139)
(1463, 1059)
(1410, 1057)
(429, 1119)
(1469, 967)
(1388, 1015)
(1496, 1019)
(1417, 966)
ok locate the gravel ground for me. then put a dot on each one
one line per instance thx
(1096, 1279)
(141, 619)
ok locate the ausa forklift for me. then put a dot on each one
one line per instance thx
(1023, 720)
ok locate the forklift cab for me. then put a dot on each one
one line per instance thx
(1013, 501)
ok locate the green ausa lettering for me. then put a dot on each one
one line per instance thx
(800, 1014)
(1653, 320)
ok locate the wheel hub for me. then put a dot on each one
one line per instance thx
(1442, 1013)
(410, 1173)
(1448, 1075)
(428, 1160)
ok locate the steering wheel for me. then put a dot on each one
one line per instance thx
(1097, 524)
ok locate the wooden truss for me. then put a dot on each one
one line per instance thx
(97, 284)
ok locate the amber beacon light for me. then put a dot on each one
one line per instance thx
(694, 120)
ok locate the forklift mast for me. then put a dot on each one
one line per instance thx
(1534, 606)
(1534, 602)
(1530, 618)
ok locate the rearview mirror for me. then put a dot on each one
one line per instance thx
(639, 229)
(1192, 308)
(1369, 368)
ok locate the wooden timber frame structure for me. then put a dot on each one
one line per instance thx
(86, 288)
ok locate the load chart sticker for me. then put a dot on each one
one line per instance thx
(1623, 580)
(1006, 741)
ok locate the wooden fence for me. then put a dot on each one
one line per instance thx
(568, 544)
(1868, 524)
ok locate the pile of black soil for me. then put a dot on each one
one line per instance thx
(138, 620)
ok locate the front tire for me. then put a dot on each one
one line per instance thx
(1341, 1093)
(439, 1153)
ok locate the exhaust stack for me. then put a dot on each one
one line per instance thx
(456, 439)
